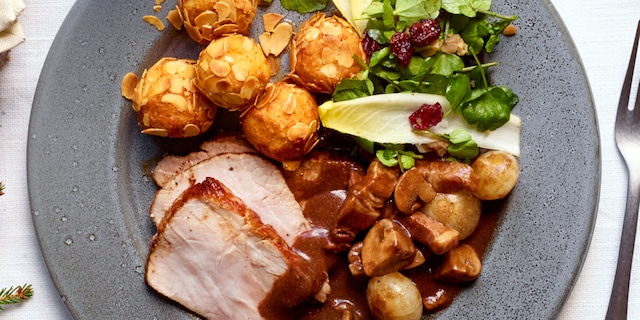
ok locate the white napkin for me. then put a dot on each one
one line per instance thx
(11, 33)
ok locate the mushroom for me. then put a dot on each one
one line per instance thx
(458, 210)
(386, 248)
(426, 230)
(497, 173)
(410, 187)
(460, 264)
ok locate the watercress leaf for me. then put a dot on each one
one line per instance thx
(432, 83)
(447, 64)
(466, 7)
(304, 6)
(379, 56)
(417, 66)
(457, 23)
(462, 146)
(388, 17)
(458, 90)
(387, 157)
(374, 10)
(464, 151)
(474, 34)
(406, 162)
(348, 89)
(458, 136)
(388, 74)
(410, 11)
(433, 8)
(510, 98)
(489, 108)
(496, 29)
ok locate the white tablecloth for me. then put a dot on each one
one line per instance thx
(602, 31)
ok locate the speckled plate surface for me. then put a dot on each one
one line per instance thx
(88, 167)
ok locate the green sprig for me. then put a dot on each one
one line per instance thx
(1, 188)
(14, 295)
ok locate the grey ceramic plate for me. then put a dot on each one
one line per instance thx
(88, 167)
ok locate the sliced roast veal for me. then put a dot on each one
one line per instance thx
(250, 177)
(215, 256)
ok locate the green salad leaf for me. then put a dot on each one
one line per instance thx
(304, 6)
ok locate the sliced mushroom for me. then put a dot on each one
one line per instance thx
(386, 248)
(460, 264)
(418, 259)
(410, 187)
(426, 230)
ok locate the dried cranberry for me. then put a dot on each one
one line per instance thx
(400, 46)
(370, 45)
(427, 116)
(424, 32)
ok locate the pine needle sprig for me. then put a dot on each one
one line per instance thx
(1, 188)
(14, 295)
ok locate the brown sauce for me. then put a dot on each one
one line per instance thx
(321, 199)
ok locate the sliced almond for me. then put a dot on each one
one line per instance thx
(206, 18)
(270, 20)
(157, 8)
(129, 83)
(265, 42)
(227, 28)
(191, 130)
(223, 9)
(178, 101)
(274, 64)
(240, 72)
(219, 68)
(280, 38)
(174, 19)
(154, 21)
(156, 132)
(192, 31)
(297, 132)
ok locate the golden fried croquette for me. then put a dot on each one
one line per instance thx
(167, 101)
(322, 53)
(284, 123)
(232, 71)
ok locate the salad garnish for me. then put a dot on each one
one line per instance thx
(436, 48)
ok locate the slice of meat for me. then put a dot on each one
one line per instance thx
(215, 256)
(171, 165)
(250, 177)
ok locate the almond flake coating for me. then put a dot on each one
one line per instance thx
(322, 53)
(167, 102)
